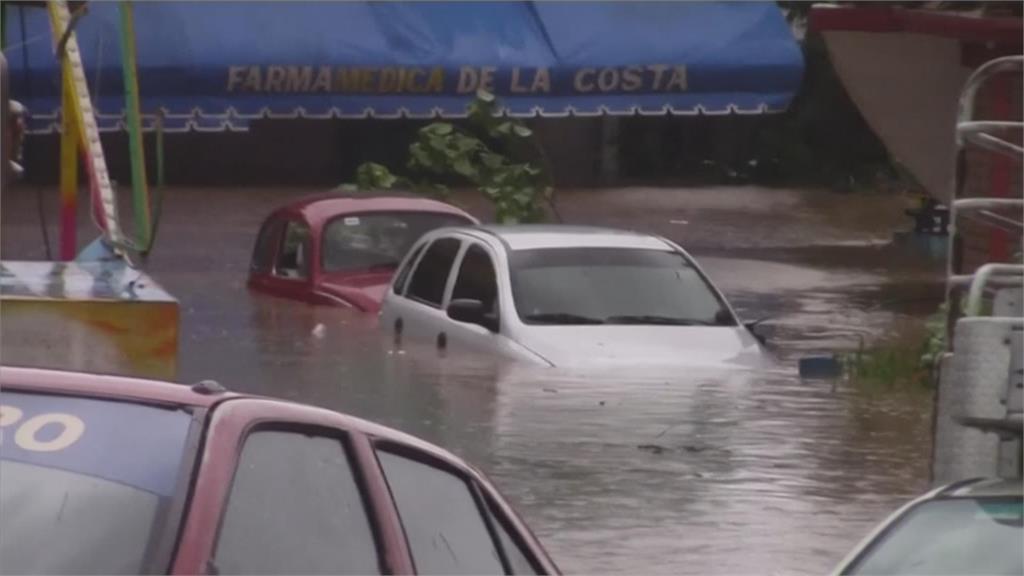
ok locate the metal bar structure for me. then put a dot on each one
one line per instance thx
(82, 112)
(980, 282)
(140, 185)
(68, 178)
(978, 413)
(987, 135)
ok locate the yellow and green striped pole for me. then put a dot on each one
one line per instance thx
(68, 172)
(140, 187)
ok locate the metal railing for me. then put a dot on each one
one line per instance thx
(978, 425)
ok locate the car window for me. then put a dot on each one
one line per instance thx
(431, 274)
(263, 252)
(954, 536)
(86, 485)
(446, 532)
(519, 559)
(398, 286)
(613, 286)
(377, 239)
(293, 259)
(295, 508)
(476, 279)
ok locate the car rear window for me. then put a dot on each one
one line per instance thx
(377, 240)
(613, 286)
(86, 483)
(961, 536)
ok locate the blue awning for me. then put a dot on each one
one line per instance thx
(217, 65)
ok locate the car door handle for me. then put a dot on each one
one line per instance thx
(399, 326)
(442, 341)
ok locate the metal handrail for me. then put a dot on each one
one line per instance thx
(965, 108)
(985, 134)
(981, 279)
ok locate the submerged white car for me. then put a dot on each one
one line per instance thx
(564, 296)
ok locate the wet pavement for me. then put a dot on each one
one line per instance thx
(682, 472)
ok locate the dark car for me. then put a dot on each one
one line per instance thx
(343, 250)
(114, 475)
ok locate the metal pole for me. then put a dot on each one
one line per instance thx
(5, 129)
(140, 191)
(68, 175)
(160, 150)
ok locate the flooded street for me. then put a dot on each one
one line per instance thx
(632, 472)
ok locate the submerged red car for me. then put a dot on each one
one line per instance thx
(112, 475)
(343, 250)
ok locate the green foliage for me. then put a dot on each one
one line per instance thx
(935, 339)
(371, 176)
(486, 153)
(890, 364)
(907, 358)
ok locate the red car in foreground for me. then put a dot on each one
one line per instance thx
(114, 475)
(343, 250)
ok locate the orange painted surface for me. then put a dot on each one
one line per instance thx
(89, 317)
(136, 339)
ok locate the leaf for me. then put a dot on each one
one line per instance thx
(523, 131)
(492, 160)
(465, 143)
(438, 129)
(349, 188)
(464, 168)
(484, 96)
(418, 155)
(523, 197)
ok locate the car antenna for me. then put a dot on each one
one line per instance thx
(208, 387)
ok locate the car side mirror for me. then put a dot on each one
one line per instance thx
(471, 312)
(757, 330)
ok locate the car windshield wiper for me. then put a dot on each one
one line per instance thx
(659, 320)
(561, 318)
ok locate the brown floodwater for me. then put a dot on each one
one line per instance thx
(629, 472)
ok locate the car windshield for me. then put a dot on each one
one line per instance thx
(86, 484)
(957, 536)
(613, 286)
(378, 239)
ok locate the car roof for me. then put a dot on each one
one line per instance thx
(988, 487)
(540, 236)
(200, 395)
(319, 208)
(105, 386)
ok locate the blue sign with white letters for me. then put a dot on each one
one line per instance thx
(133, 444)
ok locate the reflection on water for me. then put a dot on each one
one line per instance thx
(680, 472)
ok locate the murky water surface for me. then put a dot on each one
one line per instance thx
(629, 472)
